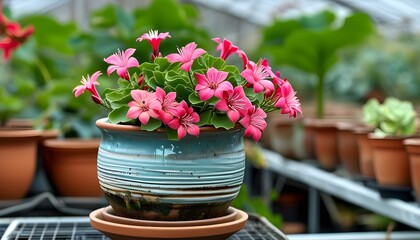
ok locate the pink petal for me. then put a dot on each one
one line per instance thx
(222, 105)
(144, 117)
(113, 59)
(133, 112)
(132, 62)
(79, 90)
(122, 71)
(181, 133)
(201, 80)
(174, 123)
(187, 66)
(193, 130)
(206, 94)
(233, 116)
(198, 52)
(111, 69)
(174, 57)
(165, 117)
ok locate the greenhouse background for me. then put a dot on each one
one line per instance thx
(339, 56)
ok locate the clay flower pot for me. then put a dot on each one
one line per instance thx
(308, 141)
(326, 150)
(282, 134)
(18, 151)
(365, 152)
(70, 166)
(348, 151)
(391, 165)
(413, 149)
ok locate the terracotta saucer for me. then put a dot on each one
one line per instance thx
(119, 231)
(109, 215)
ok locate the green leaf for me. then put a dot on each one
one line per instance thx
(119, 115)
(122, 83)
(221, 121)
(117, 95)
(205, 118)
(153, 124)
(172, 134)
(194, 98)
(163, 63)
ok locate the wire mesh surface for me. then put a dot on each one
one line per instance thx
(80, 229)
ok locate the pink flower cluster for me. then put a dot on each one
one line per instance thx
(157, 104)
(12, 35)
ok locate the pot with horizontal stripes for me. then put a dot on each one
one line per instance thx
(146, 176)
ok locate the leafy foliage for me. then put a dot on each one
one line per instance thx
(392, 118)
(311, 43)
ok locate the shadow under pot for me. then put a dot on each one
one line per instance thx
(70, 166)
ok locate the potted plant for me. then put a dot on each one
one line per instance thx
(17, 145)
(396, 121)
(179, 120)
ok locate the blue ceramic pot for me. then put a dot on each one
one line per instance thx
(146, 176)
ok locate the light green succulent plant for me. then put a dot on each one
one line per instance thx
(392, 118)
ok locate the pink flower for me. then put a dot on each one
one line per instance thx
(186, 56)
(213, 82)
(287, 100)
(144, 106)
(154, 39)
(184, 121)
(8, 45)
(257, 74)
(121, 61)
(13, 34)
(234, 102)
(169, 105)
(226, 49)
(254, 123)
(90, 85)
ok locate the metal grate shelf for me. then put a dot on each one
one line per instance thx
(78, 228)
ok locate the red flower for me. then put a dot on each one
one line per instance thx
(184, 121)
(154, 39)
(186, 56)
(254, 123)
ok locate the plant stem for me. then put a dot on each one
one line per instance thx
(44, 70)
(320, 96)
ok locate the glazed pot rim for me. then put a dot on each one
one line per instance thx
(72, 143)
(103, 123)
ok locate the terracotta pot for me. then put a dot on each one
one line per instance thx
(365, 152)
(281, 132)
(18, 150)
(391, 165)
(326, 143)
(412, 147)
(308, 140)
(348, 151)
(70, 166)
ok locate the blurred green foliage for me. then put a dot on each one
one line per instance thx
(54, 60)
(385, 65)
(257, 205)
(312, 43)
